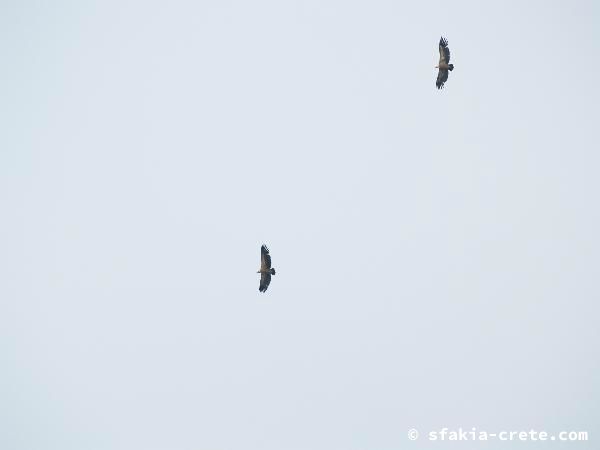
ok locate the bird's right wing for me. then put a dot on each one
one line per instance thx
(441, 78)
(265, 280)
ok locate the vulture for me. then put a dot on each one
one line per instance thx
(265, 269)
(443, 66)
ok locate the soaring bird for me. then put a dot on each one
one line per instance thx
(443, 67)
(265, 269)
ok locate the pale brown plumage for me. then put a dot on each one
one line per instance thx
(265, 269)
(443, 66)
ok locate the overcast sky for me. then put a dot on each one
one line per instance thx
(437, 252)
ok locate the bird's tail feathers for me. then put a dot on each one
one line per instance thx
(272, 271)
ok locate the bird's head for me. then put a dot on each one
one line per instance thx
(450, 67)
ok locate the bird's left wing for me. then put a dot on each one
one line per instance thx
(265, 258)
(444, 51)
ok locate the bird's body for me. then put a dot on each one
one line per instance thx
(444, 65)
(265, 269)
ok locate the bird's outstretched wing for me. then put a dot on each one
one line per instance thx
(265, 258)
(265, 280)
(444, 51)
(441, 78)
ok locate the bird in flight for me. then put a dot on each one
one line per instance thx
(265, 269)
(443, 66)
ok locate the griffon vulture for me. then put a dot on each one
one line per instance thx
(265, 269)
(443, 66)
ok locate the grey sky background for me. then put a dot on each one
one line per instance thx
(436, 252)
